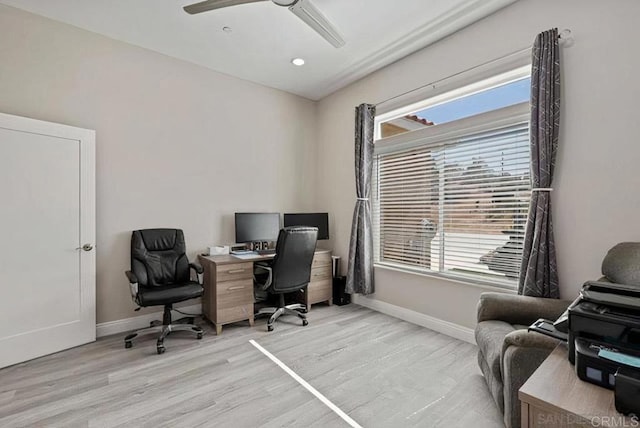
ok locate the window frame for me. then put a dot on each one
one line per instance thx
(436, 136)
(444, 95)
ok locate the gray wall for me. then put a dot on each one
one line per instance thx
(177, 145)
(155, 115)
(596, 188)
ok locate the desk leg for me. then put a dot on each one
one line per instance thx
(330, 301)
(218, 329)
(524, 415)
(251, 321)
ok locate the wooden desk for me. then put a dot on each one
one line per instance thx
(228, 287)
(555, 397)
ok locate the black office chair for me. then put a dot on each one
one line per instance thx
(289, 271)
(160, 275)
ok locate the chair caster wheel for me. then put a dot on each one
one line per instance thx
(269, 328)
(160, 349)
(199, 336)
(305, 322)
(128, 345)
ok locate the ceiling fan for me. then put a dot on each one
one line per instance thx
(303, 9)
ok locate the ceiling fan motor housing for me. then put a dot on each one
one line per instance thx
(285, 3)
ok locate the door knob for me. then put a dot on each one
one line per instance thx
(85, 247)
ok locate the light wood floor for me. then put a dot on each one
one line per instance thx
(381, 371)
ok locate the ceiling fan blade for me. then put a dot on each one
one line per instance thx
(205, 6)
(306, 11)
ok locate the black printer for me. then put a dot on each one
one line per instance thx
(605, 313)
(602, 330)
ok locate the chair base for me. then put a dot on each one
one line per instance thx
(165, 327)
(282, 309)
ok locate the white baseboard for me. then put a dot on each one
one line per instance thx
(435, 324)
(445, 327)
(142, 321)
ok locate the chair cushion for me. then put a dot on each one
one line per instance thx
(490, 337)
(163, 295)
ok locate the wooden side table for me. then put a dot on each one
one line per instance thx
(554, 397)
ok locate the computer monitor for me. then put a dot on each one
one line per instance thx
(255, 227)
(319, 220)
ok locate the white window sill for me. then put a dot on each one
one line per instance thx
(487, 285)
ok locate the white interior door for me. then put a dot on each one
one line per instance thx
(47, 214)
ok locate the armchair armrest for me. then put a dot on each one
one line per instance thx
(522, 354)
(133, 284)
(530, 339)
(515, 309)
(196, 267)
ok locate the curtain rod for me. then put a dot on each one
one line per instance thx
(564, 35)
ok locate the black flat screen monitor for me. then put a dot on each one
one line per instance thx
(319, 220)
(254, 227)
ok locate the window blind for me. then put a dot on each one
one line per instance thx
(456, 206)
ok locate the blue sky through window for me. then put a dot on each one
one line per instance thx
(491, 99)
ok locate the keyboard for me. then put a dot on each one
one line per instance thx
(266, 252)
(242, 252)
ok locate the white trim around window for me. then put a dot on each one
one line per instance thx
(460, 209)
(483, 122)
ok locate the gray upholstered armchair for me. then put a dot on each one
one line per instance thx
(508, 354)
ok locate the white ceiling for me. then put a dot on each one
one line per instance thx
(266, 37)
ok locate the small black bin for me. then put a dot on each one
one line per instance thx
(340, 298)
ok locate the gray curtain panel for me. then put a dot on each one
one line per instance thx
(360, 269)
(538, 272)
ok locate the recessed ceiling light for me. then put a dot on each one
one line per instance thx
(297, 61)
(227, 29)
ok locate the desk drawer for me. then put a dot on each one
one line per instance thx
(234, 272)
(321, 259)
(320, 273)
(319, 291)
(239, 290)
(234, 314)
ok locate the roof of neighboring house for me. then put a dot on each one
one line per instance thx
(404, 124)
(419, 119)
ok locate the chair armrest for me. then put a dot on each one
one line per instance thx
(515, 309)
(196, 267)
(199, 272)
(133, 285)
(133, 279)
(269, 270)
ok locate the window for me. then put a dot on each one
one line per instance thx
(451, 194)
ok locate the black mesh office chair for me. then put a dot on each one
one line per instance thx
(160, 276)
(289, 271)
